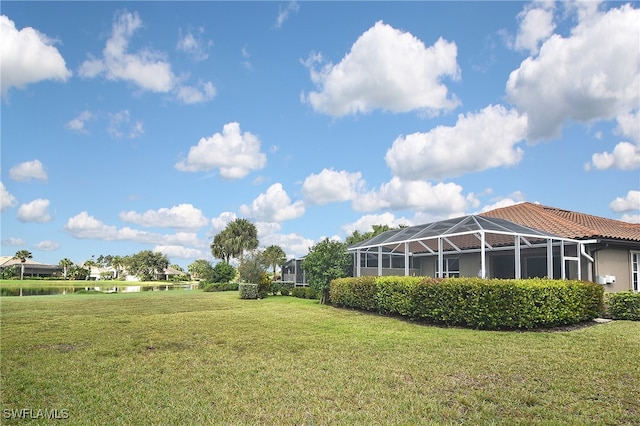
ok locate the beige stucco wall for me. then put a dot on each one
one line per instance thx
(616, 262)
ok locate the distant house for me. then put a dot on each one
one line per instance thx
(31, 267)
(519, 241)
(292, 271)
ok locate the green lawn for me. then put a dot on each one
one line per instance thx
(188, 357)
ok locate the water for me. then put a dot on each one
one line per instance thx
(47, 291)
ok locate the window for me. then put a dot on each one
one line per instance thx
(635, 271)
(451, 267)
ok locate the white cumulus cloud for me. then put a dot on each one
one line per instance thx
(145, 68)
(416, 195)
(477, 142)
(223, 219)
(592, 74)
(182, 216)
(536, 25)
(625, 156)
(332, 186)
(27, 171)
(85, 226)
(234, 153)
(14, 241)
(180, 252)
(366, 222)
(35, 211)
(274, 205)
(77, 124)
(27, 56)
(386, 69)
(630, 202)
(6, 198)
(203, 92)
(46, 245)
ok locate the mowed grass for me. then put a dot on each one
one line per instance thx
(189, 357)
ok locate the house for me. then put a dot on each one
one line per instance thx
(520, 241)
(292, 271)
(31, 267)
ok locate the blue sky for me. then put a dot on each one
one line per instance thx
(151, 125)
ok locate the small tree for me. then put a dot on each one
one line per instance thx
(326, 261)
(274, 256)
(223, 273)
(200, 269)
(65, 264)
(146, 264)
(252, 267)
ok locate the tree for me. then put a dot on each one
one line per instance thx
(88, 265)
(223, 273)
(243, 235)
(117, 262)
(252, 268)
(65, 264)
(200, 269)
(23, 255)
(220, 246)
(146, 264)
(274, 256)
(356, 237)
(326, 261)
(239, 236)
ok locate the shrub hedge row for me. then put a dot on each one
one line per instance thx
(248, 290)
(623, 305)
(474, 302)
(304, 293)
(282, 287)
(209, 287)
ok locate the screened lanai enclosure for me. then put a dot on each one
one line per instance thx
(472, 246)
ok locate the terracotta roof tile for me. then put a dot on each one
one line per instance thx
(566, 223)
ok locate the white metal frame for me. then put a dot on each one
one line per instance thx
(520, 238)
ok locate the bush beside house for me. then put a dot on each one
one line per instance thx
(624, 305)
(474, 302)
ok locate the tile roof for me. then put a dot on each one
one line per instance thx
(566, 223)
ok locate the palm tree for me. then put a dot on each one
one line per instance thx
(232, 241)
(117, 262)
(88, 265)
(64, 264)
(274, 256)
(220, 246)
(23, 255)
(243, 236)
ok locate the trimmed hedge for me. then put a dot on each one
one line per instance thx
(304, 293)
(248, 290)
(357, 293)
(282, 287)
(623, 305)
(210, 287)
(474, 302)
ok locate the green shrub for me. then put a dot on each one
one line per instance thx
(248, 290)
(354, 293)
(623, 305)
(475, 302)
(312, 293)
(300, 292)
(285, 287)
(211, 287)
(222, 273)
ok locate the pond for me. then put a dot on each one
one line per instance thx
(46, 291)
